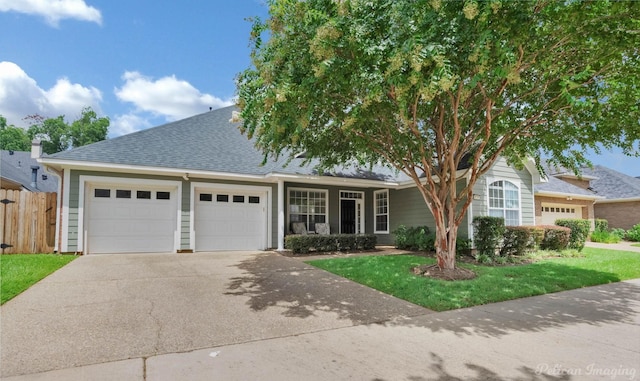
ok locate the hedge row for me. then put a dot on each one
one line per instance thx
(302, 244)
(419, 238)
(492, 238)
(416, 238)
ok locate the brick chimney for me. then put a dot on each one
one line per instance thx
(36, 149)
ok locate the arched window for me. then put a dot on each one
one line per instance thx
(504, 201)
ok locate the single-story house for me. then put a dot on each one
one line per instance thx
(198, 185)
(598, 192)
(20, 170)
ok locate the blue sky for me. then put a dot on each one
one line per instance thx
(141, 63)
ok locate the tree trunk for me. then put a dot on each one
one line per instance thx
(446, 234)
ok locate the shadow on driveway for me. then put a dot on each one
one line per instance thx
(273, 280)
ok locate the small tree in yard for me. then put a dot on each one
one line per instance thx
(440, 90)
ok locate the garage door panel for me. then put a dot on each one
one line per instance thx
(230, 225)
(129, 225)
(553, 212)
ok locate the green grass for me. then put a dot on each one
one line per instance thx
(391, 274)
(635, 244)
(604, 237)
(20, 271)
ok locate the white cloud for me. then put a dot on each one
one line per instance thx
(168, 96)
(20, 96)
(54, 10)
(126, 124)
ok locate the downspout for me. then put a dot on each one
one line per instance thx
(280, 215)
(60, 175)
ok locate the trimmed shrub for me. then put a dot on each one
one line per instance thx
(303, 244)
(488, 234)
(620, 233)
(633, 234)
(415, 238)
(555, 237)
(518, 240)
(601, 225)
(579, 231)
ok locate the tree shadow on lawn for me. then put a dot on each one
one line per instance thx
(301, 290)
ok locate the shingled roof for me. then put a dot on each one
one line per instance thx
(613, 184)
(15, 166)
(555, 185)
(205, 142)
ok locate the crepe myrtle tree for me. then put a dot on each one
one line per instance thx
(440, 90)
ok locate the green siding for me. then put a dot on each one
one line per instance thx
(406, 206)
(501, 171)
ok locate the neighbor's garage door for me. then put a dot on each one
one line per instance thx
(553, 212)
(230, 220)
(131, 219)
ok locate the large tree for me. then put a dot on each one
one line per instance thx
(13, 138)
(57, 135)
(441, 89)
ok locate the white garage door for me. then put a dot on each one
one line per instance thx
(230, 220)
(553, 212)
(131, 219)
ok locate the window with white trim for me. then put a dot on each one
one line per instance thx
(308, 206)
(504, 201)
(381, 211)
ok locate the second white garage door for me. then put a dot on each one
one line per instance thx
(230, 220)
(553, 212)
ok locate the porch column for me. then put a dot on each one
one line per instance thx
(280, 215)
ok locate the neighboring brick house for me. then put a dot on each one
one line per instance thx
(621, 205)
(599, 192)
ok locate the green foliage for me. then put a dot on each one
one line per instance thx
(518, 240)
(13, 138)
(415, 238)
(555, 237)
(488, 233)
(463, 246)
(57, 136)
(620, 233)
(579, 231)
(303, 244)
(633, 234)
(88, 128)
(601, 225)
(18, 272)
(604, 236)
(426, 87)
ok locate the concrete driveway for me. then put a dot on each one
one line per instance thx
(103, 308)
(260, 316)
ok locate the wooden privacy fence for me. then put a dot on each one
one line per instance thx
(28, 222)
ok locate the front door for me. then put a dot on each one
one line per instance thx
(348, 216)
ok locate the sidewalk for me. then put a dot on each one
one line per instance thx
(623, 245)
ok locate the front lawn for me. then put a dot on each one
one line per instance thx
(392, 275)
(18, 272)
